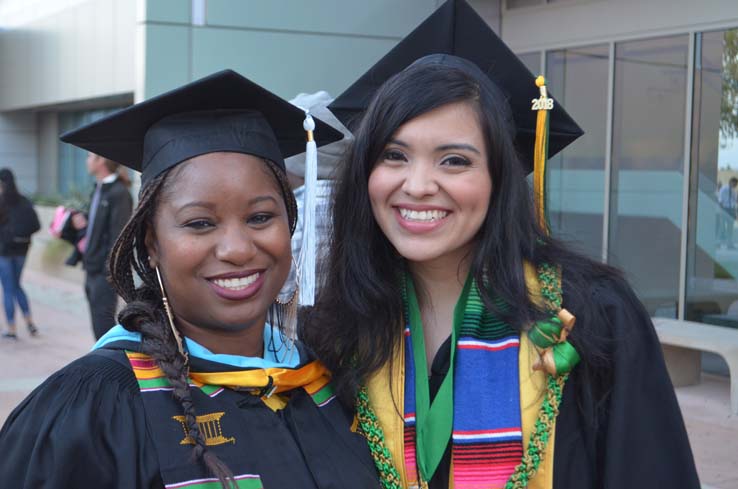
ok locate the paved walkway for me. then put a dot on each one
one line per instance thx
(61, 313)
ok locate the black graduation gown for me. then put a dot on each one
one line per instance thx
(87, 426)
(637, 440)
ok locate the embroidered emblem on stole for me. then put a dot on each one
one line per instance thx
(209, 426)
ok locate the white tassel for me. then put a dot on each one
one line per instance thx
(308, 251)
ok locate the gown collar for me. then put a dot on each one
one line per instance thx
(278, 352)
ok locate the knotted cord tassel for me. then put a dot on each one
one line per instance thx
(557, 355)
(308, 251)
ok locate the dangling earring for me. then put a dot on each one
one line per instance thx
(289, 301)
(293, 297)
(289, 307)
(168, 310)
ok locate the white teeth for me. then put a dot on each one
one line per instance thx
(236, 283)
(422, 216)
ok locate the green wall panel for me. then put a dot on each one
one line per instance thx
(171, 11)
(167, 58)
(383, 18)
(286, 63)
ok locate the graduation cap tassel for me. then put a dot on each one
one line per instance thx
(308, 251)
(542, 105)
(557, 355)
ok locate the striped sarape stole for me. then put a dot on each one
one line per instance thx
(487, 436)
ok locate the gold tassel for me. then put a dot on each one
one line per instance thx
(540, 151)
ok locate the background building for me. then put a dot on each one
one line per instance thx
(65, 62)
(654, 83)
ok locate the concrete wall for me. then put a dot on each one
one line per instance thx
(18, 148)
(582, 22)
(48, 152)
(80, 52)
(324, 44)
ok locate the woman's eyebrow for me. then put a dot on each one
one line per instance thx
(262, 198)
(197, 203)
(398, 142)
(210, 205)
(451, 146)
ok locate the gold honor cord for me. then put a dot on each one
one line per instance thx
(542, 105)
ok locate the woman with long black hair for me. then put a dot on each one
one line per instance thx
(18, 222)
(447, 317)
(201, 385)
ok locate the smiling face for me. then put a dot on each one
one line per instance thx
(431, 187)
(221, 240)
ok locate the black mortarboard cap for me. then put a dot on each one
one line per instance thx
(455, 28)
(221, 112)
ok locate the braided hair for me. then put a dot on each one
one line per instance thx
(144, 312)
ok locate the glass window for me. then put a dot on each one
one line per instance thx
(74, 181)
(647, 167)
(578, 79)
(712, 258)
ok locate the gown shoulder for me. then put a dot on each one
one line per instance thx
(620, 423)
(85, 426)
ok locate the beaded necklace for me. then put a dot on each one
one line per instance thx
(550, 335)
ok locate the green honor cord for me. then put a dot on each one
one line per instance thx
(436, 421)
(433, 422)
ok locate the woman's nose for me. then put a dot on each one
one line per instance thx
(235, 245)
(420, 181)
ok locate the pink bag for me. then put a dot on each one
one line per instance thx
(61, 216)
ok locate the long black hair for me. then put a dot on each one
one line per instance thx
(144, 311)
(357, 322)
(10, 196)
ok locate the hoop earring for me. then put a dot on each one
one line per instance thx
(170, 316)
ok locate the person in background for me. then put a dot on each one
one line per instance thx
(18, 222)
(110, 208)
(328, 158)
(727, 200)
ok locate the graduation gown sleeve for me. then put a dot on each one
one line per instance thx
(84, 427)
(637, 439)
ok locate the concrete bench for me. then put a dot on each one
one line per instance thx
(683, 341)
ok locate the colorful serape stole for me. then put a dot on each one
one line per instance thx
(487, 433)
(409, 432)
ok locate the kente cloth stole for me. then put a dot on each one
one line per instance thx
(485, 403)
(313, 377)
(218, 416)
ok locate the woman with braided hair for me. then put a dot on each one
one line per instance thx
(447, 317)
(202, 384)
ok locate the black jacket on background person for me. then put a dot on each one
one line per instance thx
(17, 223)
(114, 210)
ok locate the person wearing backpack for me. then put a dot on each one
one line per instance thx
(18, 222)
